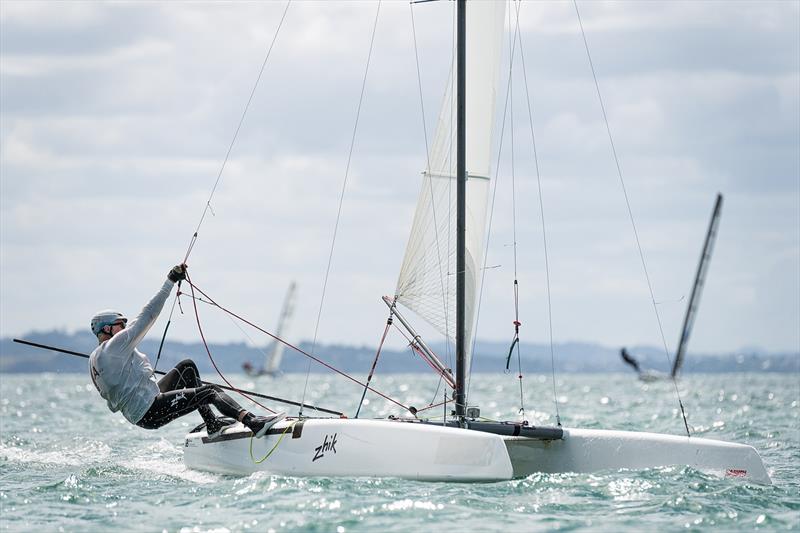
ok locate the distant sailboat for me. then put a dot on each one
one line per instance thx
(272, 359)
(691, 309)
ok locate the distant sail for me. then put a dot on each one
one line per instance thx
(273, 361)
(273, 356)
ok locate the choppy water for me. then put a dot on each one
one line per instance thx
(66, 463)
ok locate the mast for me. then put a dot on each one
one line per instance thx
(440, 276)
(697, 289)
(461, 210)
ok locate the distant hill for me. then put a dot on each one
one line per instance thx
(489, 357)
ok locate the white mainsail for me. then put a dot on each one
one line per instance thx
(426, 283)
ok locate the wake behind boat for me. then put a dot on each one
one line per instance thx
(465, 447)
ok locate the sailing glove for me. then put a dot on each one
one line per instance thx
(178, 273)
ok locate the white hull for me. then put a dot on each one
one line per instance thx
(591, 450)
(376, 448)
(649, 376)
(385, 448)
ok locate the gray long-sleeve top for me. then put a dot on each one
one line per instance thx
(122, 374)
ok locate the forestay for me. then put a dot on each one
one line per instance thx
(426, 283)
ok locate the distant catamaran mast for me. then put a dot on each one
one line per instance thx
(691, 308)
(697, 288)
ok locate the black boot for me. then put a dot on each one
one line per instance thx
(260, 424)
(215, 426)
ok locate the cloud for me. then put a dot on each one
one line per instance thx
(116, 118)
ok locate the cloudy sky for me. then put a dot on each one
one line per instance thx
(116, 117)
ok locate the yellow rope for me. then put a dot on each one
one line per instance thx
(259, 461)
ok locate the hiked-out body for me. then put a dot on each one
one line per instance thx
(126, 380)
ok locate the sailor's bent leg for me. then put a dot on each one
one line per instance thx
(174, 404)
(170, 380)
(185, 376)
(190, 374)
(224, 403)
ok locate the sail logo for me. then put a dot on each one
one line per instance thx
(328, 445)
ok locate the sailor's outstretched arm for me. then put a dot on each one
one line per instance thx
(127, 339)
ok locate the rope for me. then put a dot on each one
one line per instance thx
(341, 201)
(431, 406)
(208, 351)
(544, 227)
(448, 166)
(275, 447)
(451, 165)
(290, 345)
(375, 362)
(236, 134)
(489, 227)
(166, 328)
(232, 315)
(207, 208)
(234, 322)
(630, 215)
(517, 323)
(442, 276)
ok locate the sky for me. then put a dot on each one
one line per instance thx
(115, 119)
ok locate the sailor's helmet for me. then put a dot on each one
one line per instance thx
(105, 318)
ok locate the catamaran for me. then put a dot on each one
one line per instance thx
(465, 447)
(691, 309)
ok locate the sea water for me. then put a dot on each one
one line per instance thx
(68, 464)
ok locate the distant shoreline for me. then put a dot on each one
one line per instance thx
(489, 358)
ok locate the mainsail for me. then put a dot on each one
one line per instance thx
(426, 283)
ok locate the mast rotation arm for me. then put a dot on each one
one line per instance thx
(445, 372)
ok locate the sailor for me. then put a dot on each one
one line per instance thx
(125, 379)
